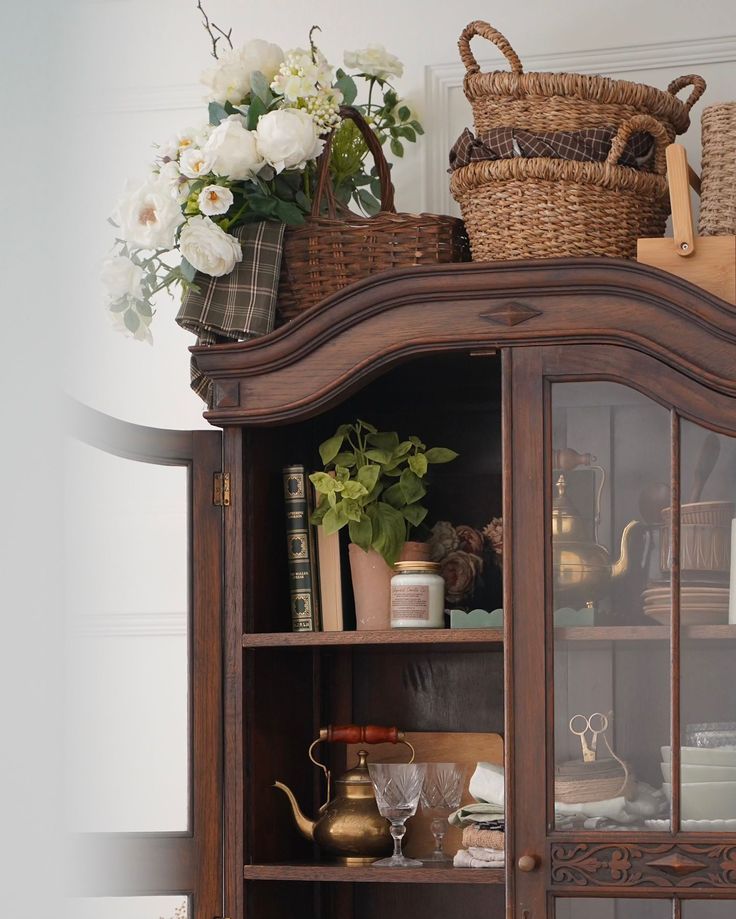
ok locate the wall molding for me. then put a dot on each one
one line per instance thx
(441, 80)
(129, 625)
(134, 100)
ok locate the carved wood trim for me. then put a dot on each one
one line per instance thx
(680, 866)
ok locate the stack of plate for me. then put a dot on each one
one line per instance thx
(708, 782)
(700, 604)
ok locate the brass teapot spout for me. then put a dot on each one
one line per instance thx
(303, 823)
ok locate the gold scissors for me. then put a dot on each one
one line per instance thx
(596, 724)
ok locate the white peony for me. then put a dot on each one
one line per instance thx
(195, 163)
(288, 139)
(374, 61)
(149, 216)
(122, 278)
(208, 248)
(215, 199)
(229, 80)
(232, 150)
(173, 179)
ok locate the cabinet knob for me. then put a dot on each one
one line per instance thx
(527, 862)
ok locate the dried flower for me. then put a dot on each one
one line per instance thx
(442, 541)
(493, 534)
(470, 540)
(460, 569)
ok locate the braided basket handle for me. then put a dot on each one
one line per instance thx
(485, 30)
(691, 79)
(324, 187)
(631, 126)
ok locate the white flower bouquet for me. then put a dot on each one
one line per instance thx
(269, 115)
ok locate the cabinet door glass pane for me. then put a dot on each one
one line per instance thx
(708, 627)
(708, 909)
(127, 596)
(610, 484)
(618, 908)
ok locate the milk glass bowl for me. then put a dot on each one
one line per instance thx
(398, 787)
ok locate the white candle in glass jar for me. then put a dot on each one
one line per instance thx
(417, 596)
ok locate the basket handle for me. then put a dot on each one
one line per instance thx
(691, 79)
(324, 186)
(485, 30)
(631, 126)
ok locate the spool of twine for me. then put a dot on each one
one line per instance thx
(718, 182)
(577, 782)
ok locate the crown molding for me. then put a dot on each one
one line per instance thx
(129, 625)
(441, 80)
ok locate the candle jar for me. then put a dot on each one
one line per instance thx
(417, 596)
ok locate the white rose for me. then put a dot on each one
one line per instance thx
(121, 278)
(208, 248)
(195, 163)
(176, 183)
(215, 199)
(232, 150)
(149, 216)
(230, 78)
(288, 139)
(375, 61)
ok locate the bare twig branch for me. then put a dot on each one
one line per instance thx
(226, 35)
(211, 28)
(312, 45)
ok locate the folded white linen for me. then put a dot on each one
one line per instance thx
(487, 783)
(476, 813)
(463, 859)
(646, 804)
(485, 854)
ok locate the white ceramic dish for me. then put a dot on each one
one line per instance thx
(695, 826)
(693, 774)
(703, 756)
(706, 801)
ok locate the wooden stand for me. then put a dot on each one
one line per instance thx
(708, 261)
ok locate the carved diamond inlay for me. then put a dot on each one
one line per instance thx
(510, 313)
(677, 864)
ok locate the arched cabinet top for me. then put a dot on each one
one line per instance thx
(316, 360)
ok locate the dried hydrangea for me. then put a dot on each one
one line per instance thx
(443, 540)
(493, 534)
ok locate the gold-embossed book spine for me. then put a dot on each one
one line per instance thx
(302, 589)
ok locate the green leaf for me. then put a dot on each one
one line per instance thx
(370, 204)
(341, 475)
(187, 271)
(368, 476)
(119, 305)
(335, 519)
(417, 443)
(217, 113)
(260, 87)
(346, 459)
(394, 495)
(414, 513)
(289, 213)
(318, 513)
(408, 133)
(397, 148)
(255, 110)
(131, 320)
(412, 486)
(332, 498)
(353, 510)
(403, 448)
(331, 447)
(418, 464)
(379, 456)
(354, 490)
(404, 113)
(323, 483)
(361, 532)
(386, 440)
(304, 203)
(369, 427)
(347, 87)
(144, 309)
(441, 455)
(389, 530)
(417, 127)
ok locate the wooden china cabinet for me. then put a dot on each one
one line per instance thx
(514, 365)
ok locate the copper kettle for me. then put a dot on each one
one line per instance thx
(349, 827)
(582, 568)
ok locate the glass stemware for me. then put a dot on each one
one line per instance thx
(442, 791)
(398, 787)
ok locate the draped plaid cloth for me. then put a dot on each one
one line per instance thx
(591, 144)
(239, 305)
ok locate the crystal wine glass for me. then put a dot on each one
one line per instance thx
(441, 794)
(398, 787)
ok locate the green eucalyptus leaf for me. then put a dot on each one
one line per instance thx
(119, 305)
(322, 482)
(255, 110)
(329, 449)
(131, 320)
(404, 113)
(441, 455)
(414, 513)
(397, 148)
(418, 464)
(217, 113)
(408, 133)
(347, 87)
(370, 204)
(187, 271)
(144, 309)
(260, 87)
(361, 532)
(412, 486)
(368, 476)
(417, 127)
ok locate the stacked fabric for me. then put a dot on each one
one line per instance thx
(483, 822)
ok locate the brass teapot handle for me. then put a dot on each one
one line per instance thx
(355, 733)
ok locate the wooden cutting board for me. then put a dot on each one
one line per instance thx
(433, 747)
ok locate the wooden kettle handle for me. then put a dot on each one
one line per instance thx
(355, 733)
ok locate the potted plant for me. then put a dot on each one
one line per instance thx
(373, 483)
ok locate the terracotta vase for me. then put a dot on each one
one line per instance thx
(371, 588)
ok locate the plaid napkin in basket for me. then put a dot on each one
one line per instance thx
(239, 305)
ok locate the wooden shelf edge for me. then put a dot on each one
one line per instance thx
(383, 637)
(642, 632)
(305, 871)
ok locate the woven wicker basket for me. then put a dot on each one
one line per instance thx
(329, 252)
(718, 182)
(547, 208)
(564, 101)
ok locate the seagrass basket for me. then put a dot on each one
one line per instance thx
(718, 176)
(335, 249)
(564, 101)
(548, 208)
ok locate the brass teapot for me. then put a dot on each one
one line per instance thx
(582, 568)
(349, 827)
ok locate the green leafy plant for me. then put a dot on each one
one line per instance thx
(374, 484)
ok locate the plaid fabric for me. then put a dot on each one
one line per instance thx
(239, 305)
(591, 144)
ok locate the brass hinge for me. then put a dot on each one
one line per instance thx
(221, 491)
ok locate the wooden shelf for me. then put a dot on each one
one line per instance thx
(383, 637)
(309, 871)
(643, 633)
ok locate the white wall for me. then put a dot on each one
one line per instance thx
(133, 73)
